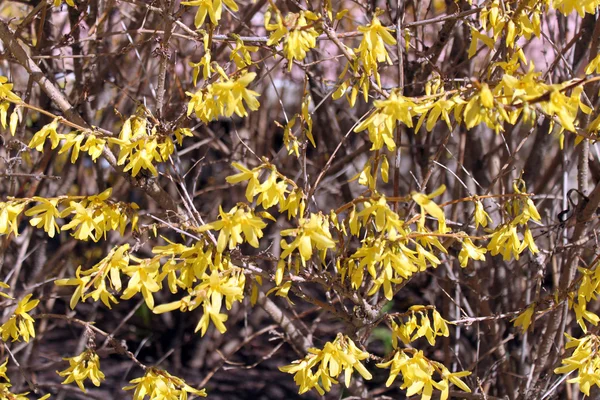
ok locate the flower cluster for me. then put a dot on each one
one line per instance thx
(141, 147)
(365, 60)
(521, 21)
(94, 145)
(211, 8)
(418, 324)
(341, 355)
(515, 95)
(296, 30)
(417, 374)
(585, 359)
(20, 323)
(366, 246)
(104, 277)
(159, 384)
(273, 191)
(206, 276)
(91, 216)
(311, 233)
(381, 124)
(505, 239)
(371, 50)
(231, 225)
(224, 98)
(84, 366)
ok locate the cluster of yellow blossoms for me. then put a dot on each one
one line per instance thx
(91, 216)
(159, 384)
(296, 30)
(336, 357)
(84, 366)
(224, 98)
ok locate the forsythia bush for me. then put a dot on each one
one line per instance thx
(267, 199)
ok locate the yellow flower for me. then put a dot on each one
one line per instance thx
(224, 98)
(246, 175)
(396, 363)
(562, 106)
(381, 124)
(143, 277)
(4, 105)
(468, 251)
(141, 147)
(223, 282)
(80, 282)
(528, 242)
(452, 377)
(582, 313)
(405, 331)
(231, 225)
(294, 204)
(15, 117)
(85, 221)
(594, 65)
(313, 231)
(9, 214)
(94, 146)
(6, 91)
(218, 285)
(416, 371)
(337, 356)
(38, 140)
(84, 366)
(211, 313)
(212, 8)
(524, 318)
(6, 394)
(20, 324)
(159, 384)
(584, 359)
(204, 63)
(505, 241)
(297, 32)
(440, 325)
(372, 47)
(487, 99)
(481, 217)
(4, 286)
(45, 215)
(384, 218)
(477, 36)
(72, 140)
(272, 192)
(480, 109)
(427, 205)
(180, 133)
(240, 55)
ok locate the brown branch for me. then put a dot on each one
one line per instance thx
(297, 339)
(163, 53)
(118, 347)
